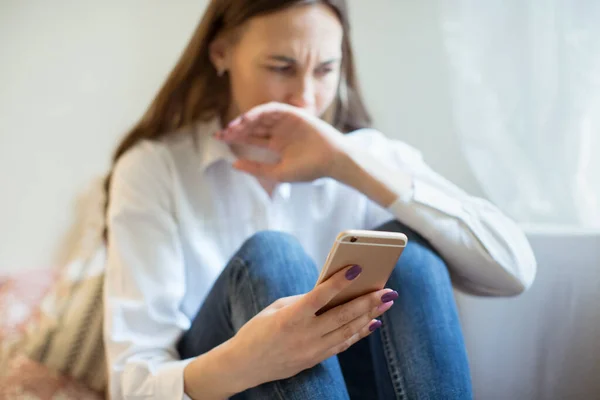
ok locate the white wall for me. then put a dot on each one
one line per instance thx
(75, 75)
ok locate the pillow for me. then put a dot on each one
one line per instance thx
(66, 333)
(20, 295)
(68, 336)
(27, 379)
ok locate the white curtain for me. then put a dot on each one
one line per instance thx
(525, 81)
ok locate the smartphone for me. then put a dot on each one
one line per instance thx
(376, 252)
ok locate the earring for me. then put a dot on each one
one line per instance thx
(221, 71)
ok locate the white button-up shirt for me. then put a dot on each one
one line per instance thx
(179, 211)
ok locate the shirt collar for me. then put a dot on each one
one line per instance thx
(212, 150)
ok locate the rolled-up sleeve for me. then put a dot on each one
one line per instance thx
(145, 280)
(486, 252)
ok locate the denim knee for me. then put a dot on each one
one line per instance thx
(277, 263)
(270, 240)
(420, 265)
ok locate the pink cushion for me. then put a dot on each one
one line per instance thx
(52, 318)
(27, 379)
(20, 295)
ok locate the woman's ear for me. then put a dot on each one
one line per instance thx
(219, 54)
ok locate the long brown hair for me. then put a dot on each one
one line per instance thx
(194, 92)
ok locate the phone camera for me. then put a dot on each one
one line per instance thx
(353, 239)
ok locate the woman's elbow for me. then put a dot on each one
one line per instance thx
(520, 277)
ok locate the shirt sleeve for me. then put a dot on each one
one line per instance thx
(486, 252)
(145, 281)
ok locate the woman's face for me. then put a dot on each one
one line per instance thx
(291, 56)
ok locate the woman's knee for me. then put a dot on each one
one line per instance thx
(276, 259)
(419, 261)
(271, 240)
(397, 226)
(272, 247)
(420, 266)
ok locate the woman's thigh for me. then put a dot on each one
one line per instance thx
(268, 266)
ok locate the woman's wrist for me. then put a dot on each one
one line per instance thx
(217, 374)
(346, 170)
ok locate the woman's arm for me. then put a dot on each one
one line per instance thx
(145, 281)
(215, 374)
(144, 287)
(487, 253)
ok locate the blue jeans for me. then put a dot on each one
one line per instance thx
(418, 353)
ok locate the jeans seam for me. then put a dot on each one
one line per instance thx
(392, 364)
(243, 262)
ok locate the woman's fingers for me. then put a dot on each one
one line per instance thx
(345, 342)
(365, 306)
(256, 132)
(250, 140)
(273, 109)
(349, 330)
(258, 169)
(260, 119)
(265, 114)
(324, 292)
(271, 125)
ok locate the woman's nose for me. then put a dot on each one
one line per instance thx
(303, 95)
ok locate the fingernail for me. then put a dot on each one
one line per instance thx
(390, 296)
(374, 325)
(353, 272)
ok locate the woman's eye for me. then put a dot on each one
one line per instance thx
(324, 71)
(283, 69)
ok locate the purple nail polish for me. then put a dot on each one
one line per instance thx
(353, 272)
(375, 325)
(390, 296)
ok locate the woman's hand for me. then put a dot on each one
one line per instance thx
(287, 337)
(308, 147)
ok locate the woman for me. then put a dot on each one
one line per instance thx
(225, 199)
